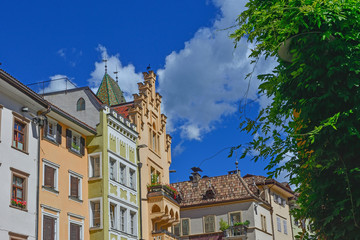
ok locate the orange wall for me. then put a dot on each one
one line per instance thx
(68, 161)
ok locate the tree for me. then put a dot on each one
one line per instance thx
(315, 112)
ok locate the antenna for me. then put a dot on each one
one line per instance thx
(116, 72)
(105, 61)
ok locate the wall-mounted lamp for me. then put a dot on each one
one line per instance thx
(25, 109)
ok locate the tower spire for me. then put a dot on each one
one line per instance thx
(105, 61)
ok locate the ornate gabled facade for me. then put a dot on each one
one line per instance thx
(109, 91)
(159, 207)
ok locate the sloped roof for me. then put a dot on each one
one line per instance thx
(226, 188)
(109, 91)
(123, 109)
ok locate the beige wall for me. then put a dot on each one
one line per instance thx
(59, 204)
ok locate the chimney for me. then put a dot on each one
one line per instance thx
(195, 176)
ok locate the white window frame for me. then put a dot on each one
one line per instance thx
(56, 177)
(233, 213)
(181, 228)
(132, 178)
(133, 221)
(114, 169)
(122, 168)
(278, 221)
(91, 224)
(80, 177)
(123, 219)
(115, 216)
(285, 226)
(56, 216)
(78, 137)
(80, 223)
(54, 123)
(204, 224)
(90, 165)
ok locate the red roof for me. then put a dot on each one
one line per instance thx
(123, 109)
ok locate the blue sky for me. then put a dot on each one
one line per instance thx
(201, 75)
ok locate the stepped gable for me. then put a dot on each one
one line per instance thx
(226, 188)
(109, 91)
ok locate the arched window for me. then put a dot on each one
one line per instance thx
(80, 105)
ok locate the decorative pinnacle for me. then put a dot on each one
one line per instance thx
(105, 61)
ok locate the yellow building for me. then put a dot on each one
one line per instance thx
(63, 174)
(159, 209)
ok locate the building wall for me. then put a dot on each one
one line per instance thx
(222, 211)
(67, 101)
(59, 204)
(13, 219)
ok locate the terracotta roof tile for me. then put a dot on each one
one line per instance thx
(123, 109)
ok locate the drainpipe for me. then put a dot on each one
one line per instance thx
(272, 217)
(38, 174)
(139, 171)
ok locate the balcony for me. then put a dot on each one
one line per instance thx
(163, 202)
(164, 235)
(235, 232)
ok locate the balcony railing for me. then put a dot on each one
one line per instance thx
(234, 231)
(166, 190)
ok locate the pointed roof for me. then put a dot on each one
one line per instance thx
(109, 91)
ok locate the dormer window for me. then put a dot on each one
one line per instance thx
(80, 105)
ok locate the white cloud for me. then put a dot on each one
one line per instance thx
(128, 78)
(204, 81)
(61, 52)
(58, 83)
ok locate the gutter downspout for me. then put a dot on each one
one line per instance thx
(272, 217)
(38, 178)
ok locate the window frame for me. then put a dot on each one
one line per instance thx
(123, 174)
(182, 228)
(91, 214)
(278, 223)
(204, 223)
(56, 175)
(233, 213)
(77, 136)
(17, 236)
(113, 170)
(80, 106)
(79, 177)
(24, 176)
(56, 224)
(80, 224)
(115, 215)
(132, 178)
(123, 219)
(285, 226)
(24, 121)
(133, 226)
(263, 223)
(91, 168)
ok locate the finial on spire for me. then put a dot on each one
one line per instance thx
(105, 61)
(148, 68)
(116, 72)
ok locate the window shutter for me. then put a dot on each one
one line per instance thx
(49, 176)
(68, 138)
(58, 133)
(49, 228)
(82, 146)
(45, 128)
(74, 187)
(74, 231)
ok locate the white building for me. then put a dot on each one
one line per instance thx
(19, 148)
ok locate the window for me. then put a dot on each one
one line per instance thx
(154, 138)
(49, 228)
(132, 223)
(185, 226)
(19, 135)
(209, 224)
(278, 220)
(18, 188)
(95, 166)
(95, 210)
(112, 215)
(234, 218)
(122, 219)
(52, 131)
(75, 231)
(285, 226)
(113, 175)
(75, 142)
(132, 179)
(16, 236)
(263, 223)
(75, 188)
(122, 174)
(177, 230)
(80, 105)
(49, 177)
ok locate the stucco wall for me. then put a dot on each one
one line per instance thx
(12, 219)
